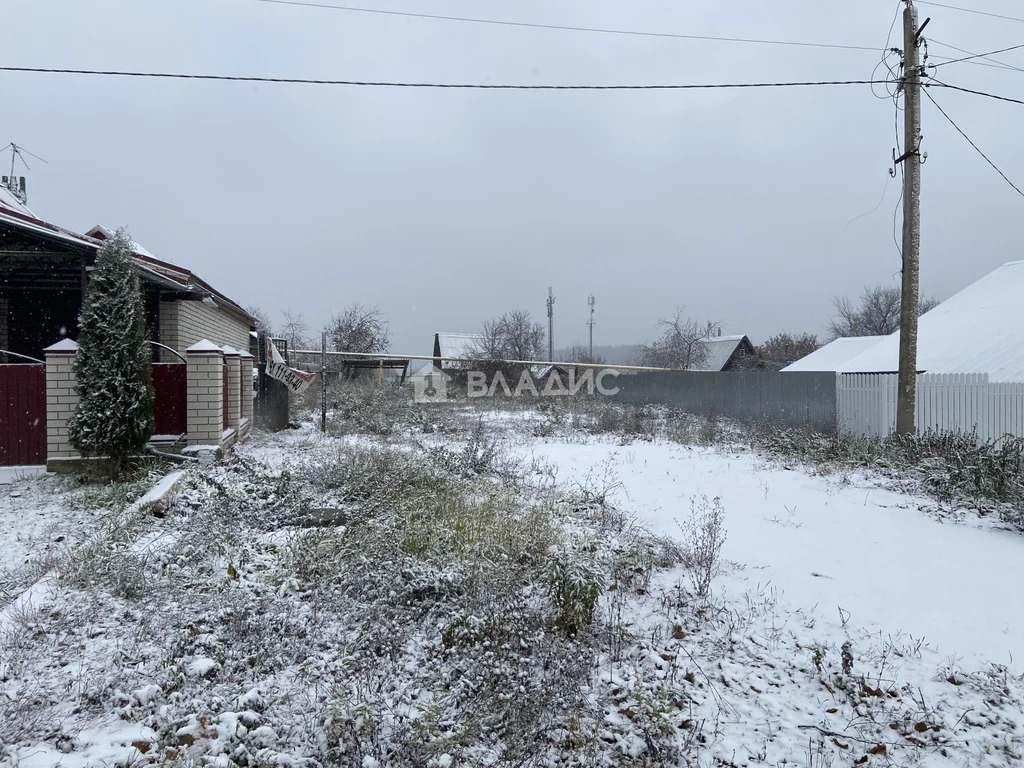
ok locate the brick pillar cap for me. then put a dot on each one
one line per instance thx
(204, 347)
(231, 351)
(65, 347)
(247, 356)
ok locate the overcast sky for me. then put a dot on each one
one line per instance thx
(447, 207)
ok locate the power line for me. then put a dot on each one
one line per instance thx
(574, 28)
(993, 63)
(976, 147)
(985, 56)
(970, 10)
(940, 84)
(477, 86)
(566, 27)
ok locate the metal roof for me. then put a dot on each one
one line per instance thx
(720, 350)
(978, 330)
(834, 354)
(459, 345)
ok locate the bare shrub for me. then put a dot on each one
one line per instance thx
(96, 493)
(682, 428)
(703, 537)
(375, 477)
(711, 427)
(609, 419)
(358, 328)
(479, 456)
(368, 408)
(24, 709)
(951, 467)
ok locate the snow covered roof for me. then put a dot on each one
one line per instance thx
(9, 201)
(834, 354)
(459, 345)
(204, 346)
(64, 345)
(720, 350)
(105, 233)
(151, 268)
(978, 330)
(29, 222)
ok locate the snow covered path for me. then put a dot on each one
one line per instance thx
(827, 543)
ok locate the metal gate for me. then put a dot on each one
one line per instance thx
(170, 384)
(22, 415)
(271, 404)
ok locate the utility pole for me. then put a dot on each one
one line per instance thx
(590, 323)
(906, 388)
(323, 382)
(551, 326)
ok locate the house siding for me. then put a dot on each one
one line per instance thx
(183, 323)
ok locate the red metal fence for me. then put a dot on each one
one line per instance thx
(169, 398)
(22, 415)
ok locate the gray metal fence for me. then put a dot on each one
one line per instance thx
(784, 399)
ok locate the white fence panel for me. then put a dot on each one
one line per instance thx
(952, 402)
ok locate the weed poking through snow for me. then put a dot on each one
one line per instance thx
(703, 537)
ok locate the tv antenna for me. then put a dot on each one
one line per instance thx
(11, 183)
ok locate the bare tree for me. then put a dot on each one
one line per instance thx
(359, 329)
(578, 353)
(682, 343)
(877, 313)
(261, 318)
(513, 336)
(784, 348)
(295, 330)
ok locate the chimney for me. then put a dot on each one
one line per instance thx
(21, 186)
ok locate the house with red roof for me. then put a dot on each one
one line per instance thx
(44, 278)
(44, 273)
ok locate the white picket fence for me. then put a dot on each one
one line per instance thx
(953, 402)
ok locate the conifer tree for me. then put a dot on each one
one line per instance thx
(113, 366)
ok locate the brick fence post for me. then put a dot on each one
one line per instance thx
(233, 360)
(245, 382)
(61, 399)
(205, 398)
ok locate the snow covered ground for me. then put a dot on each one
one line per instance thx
(39, 516)
(286, 610)
(827, 543)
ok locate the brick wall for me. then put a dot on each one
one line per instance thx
(169, 330)
(4, 304)
(61, 399)
(184, 323)
(246, 403)
(205, 394)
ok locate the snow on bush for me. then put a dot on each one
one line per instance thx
(114, 417)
